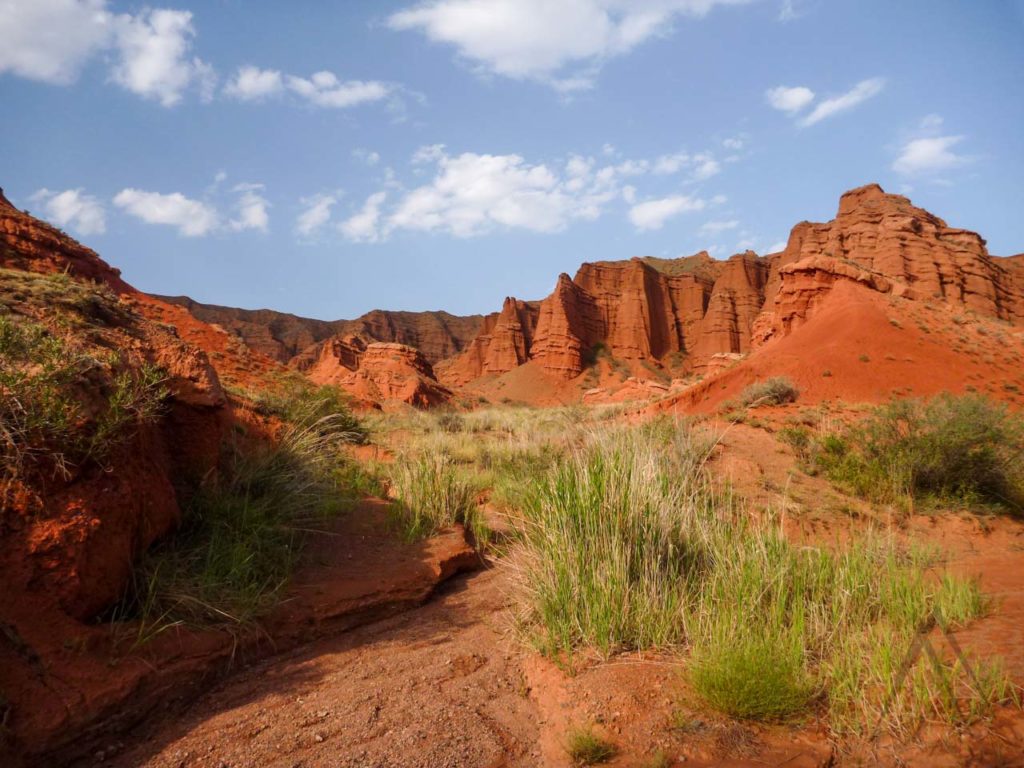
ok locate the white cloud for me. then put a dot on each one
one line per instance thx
(559, 42)
(324, 89)
(316, 214)
(860, 93)
(153, 56)
(72, 207)
(789, 99)
(789, 11)
(921, 157)
(669, 164)
(365, 226)
(429, 153)
(192, 218)
(254, 84)
(706, 167)
(654, 213)
(716, 227)
(471, 194)
(321, 89)
(51, 40)
(367, 156)
(251, 209)
(736, 143)
(777, 247)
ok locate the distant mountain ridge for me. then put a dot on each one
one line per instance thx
(293, 339)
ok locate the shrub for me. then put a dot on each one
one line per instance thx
(774, 391)
(951, 449)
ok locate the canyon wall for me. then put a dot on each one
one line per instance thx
(687, 313)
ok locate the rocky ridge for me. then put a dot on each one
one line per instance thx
(688, 315)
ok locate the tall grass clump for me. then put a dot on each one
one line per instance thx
(243, 530)
(628, 544)
(777, 390)
(296, 401)
(431, 494)
(949, 450)
(43, 419)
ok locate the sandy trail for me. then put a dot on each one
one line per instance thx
(436, 686)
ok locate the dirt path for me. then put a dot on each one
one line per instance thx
(437, 686)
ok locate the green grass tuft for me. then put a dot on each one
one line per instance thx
(585, 747)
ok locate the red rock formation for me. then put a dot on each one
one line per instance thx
(568, 325)
(884, 241)
(504, 342)
(379, 373)
(641, 310)
(701, 314)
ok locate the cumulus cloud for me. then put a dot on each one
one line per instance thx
(324, 89)
(315, 214)
(50, 40)
(73, 208)
(926, 156)
(473, 194)
(559, 42)
(364, 226)
(254, 84)
(857, 95)
(153, 56)
(251, 209)
(191, 218)
(928, 152)
(653, 214)
(321, 89)
(789, 99)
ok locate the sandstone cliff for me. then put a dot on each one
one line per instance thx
(884, 241)
(378, 372)
(695, 314)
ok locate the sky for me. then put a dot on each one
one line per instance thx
(327, 159)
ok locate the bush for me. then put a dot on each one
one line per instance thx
(952, 449)
(774, 391)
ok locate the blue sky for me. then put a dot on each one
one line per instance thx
(330, 158)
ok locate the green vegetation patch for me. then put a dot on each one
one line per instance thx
(627, 544)
(965, 450)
